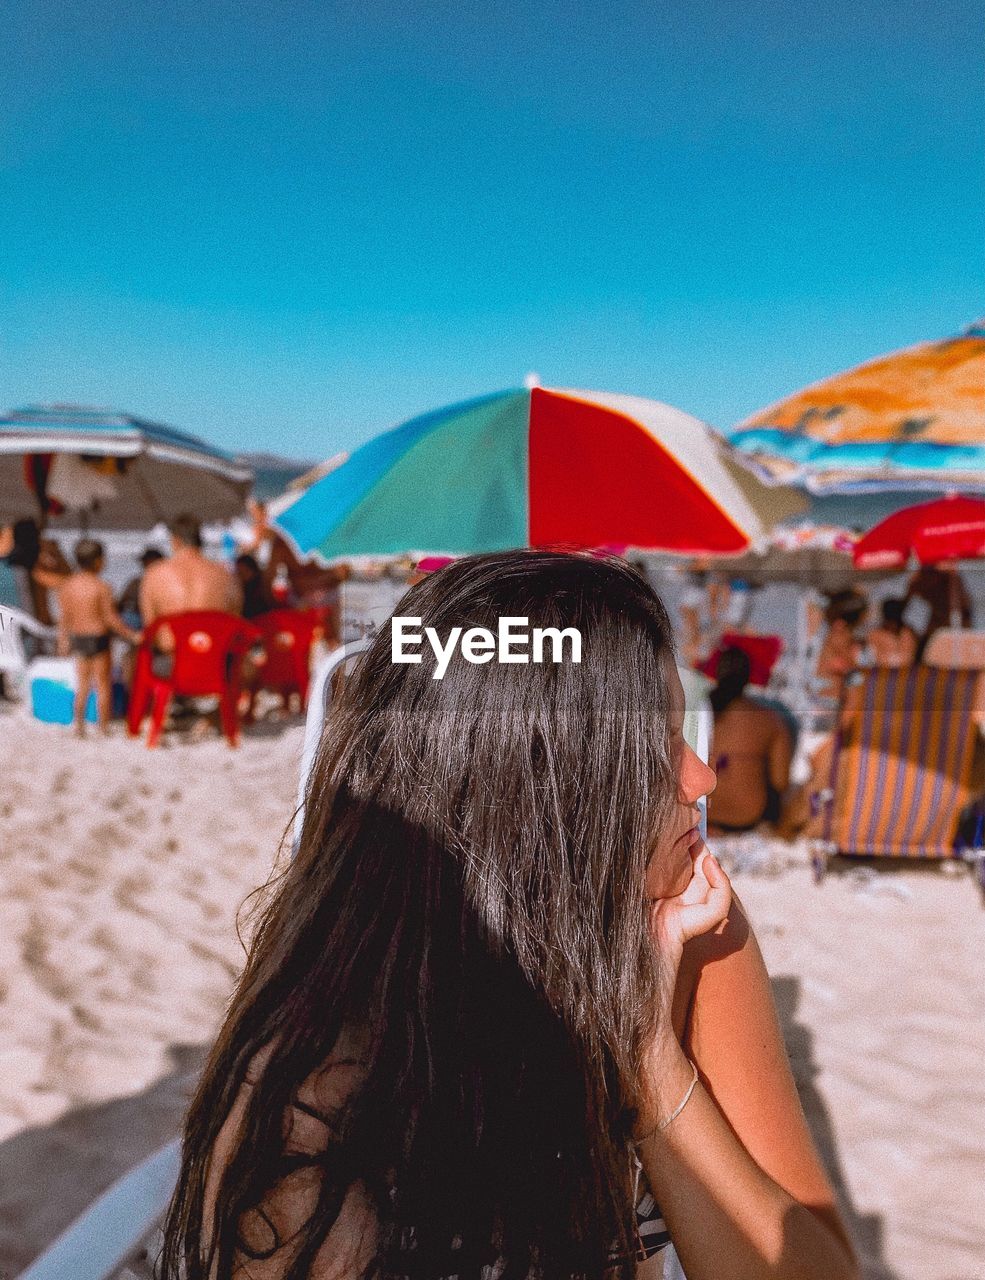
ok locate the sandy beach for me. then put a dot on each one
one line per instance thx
(123, 871)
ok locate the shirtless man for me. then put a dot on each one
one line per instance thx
(751, 752)
(87, 619)
(186, 580)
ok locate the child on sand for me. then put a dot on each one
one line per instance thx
(87, 619)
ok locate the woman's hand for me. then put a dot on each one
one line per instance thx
(701, 908)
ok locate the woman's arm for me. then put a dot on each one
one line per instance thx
(735, 1174)
(734, 1037)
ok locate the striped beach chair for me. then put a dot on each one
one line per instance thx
(902, 770)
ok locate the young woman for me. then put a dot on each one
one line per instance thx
(463, 1042)
(842, 647)
(752, 751)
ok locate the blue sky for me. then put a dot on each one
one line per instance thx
(288, 226)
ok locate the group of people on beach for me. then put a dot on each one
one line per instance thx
(89, 617)
(265, 575)
(754, 737)
(936, 597)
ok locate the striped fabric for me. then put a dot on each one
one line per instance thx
(652, 1229)
(650, 1226)
(904, 768)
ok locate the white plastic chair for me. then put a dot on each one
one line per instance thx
(319, 700)
(114, 1228)
(14, 625)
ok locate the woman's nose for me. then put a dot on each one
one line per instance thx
(697, 778)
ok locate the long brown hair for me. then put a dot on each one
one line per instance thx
(467, 896)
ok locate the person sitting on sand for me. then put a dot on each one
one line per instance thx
(502, 1004)
(842, 647)
(892, 643)
(186, 580)
(87, 620)
(751, 752)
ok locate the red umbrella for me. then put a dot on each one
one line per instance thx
(951, 528)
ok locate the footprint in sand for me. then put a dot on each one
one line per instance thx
(127, 895)
(86, 1018)
(54, 824)
(61, 782)
(136, 819)
(107, 837)
(34, 953)
(118, 801)
(84, 870)
(103, 938)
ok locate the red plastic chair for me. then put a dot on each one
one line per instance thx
(288, 636)
(208, 661)
(763, 652)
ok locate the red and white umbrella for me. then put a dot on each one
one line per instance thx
(538, 467)
(951, 528)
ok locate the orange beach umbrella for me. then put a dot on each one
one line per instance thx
(914, 419)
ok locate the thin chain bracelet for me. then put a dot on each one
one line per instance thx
(659, 1128)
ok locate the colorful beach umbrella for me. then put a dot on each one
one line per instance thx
(952, 528)
(111, 471)
(536, 467)
(911, 420)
